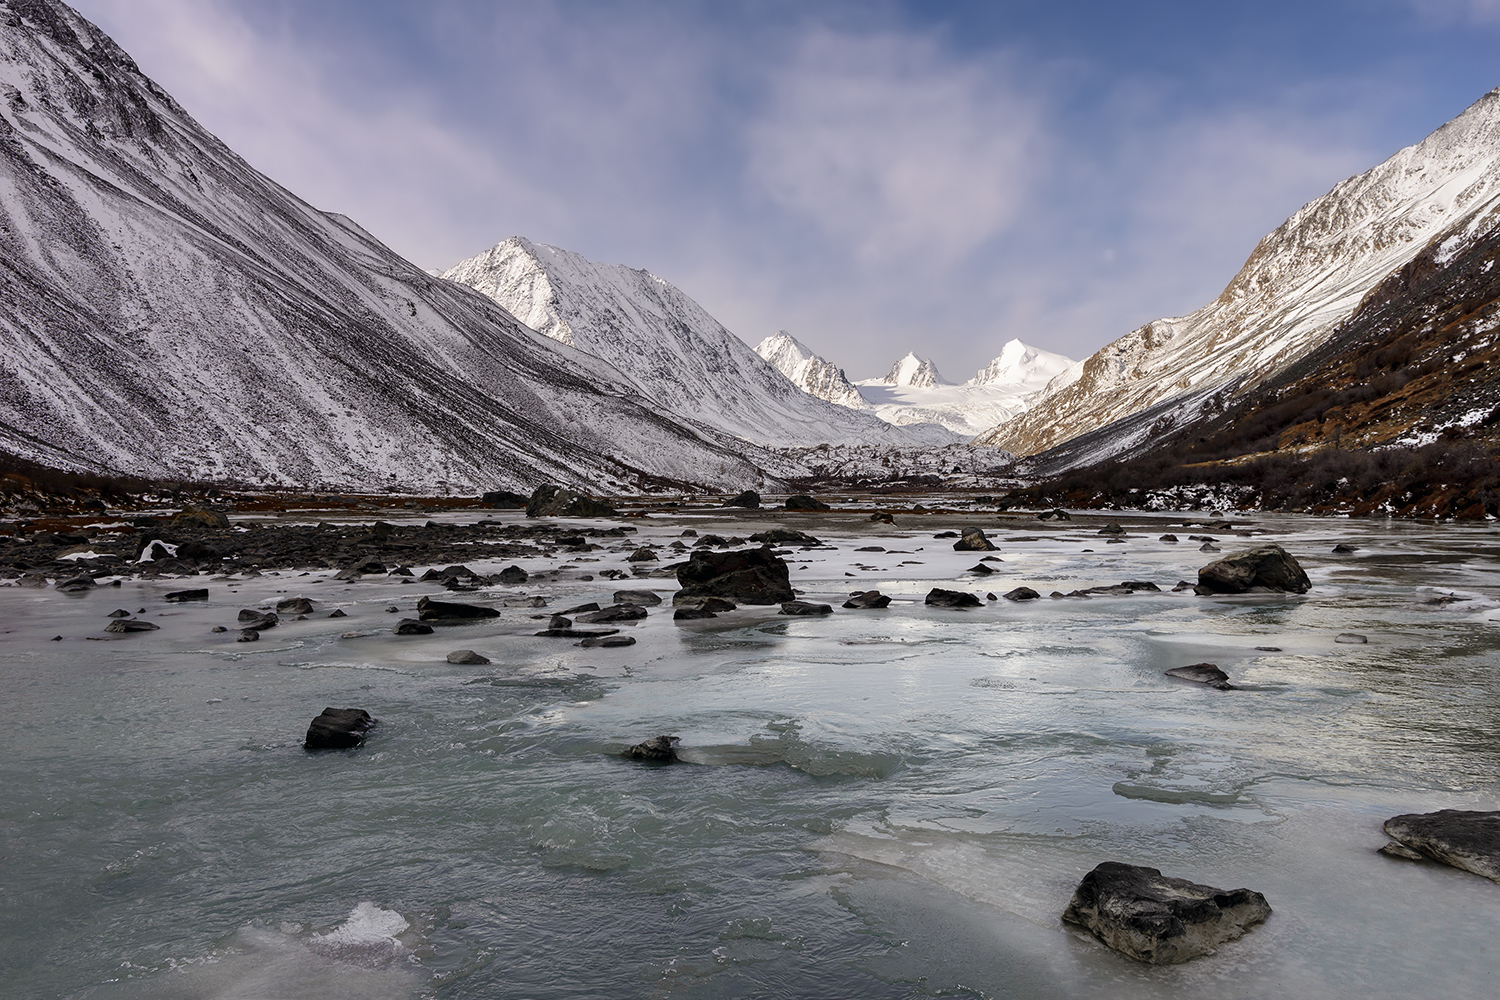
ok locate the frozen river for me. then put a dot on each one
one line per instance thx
(876, 804)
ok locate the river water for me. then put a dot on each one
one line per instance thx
(875, 804)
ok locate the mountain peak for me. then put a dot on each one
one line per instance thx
(813, 375)
(1021, 364)
(919, 373)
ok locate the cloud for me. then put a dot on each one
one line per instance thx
(891, 148)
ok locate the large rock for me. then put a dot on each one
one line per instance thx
(1459, 837)
(1022, 594)
(201, 517)
(1263, 568)
(467, 657)
(644, 598)
(503, 500)
(657, 750)
(868, 599)
(745, 576)
(338, 729)
(784, 536)
(182, 596)
(552, 500)
(429, 610)
(937, 597)
(1202, 673)
(804, 609)
(287, 606)
(1149, 917)
(131, 625)
(748, 499)
(973, 539)
(615, 613)
(410, 626)
(802, 501)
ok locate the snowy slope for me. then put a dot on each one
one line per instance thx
(167, 311)
(808, 372)
(913, 392)
(679, 356)
(1300, 282)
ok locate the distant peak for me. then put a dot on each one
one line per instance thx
(1021, 364)
(913, 371)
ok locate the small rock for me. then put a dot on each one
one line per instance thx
(259, 621)
(946, 534)
(1168, 538)
(608, 641)
(867, 599)
(338, 613)
(973, 539)
(76, 585)
(1208, 547)
(1351, 638)
(219, 628)
(882, 517)
(294, 606)
(179, 596)
(1112, 528)
(1022, 594)
(981, 569)
(686, 614)
(1269, 649)
(804, 608)
(642, 554)
(1463, 838)
(1059, 514)
(248, 635)
(1151, 918)
(119, 613)
(131, 625)
(467, 658)
(410, 626)
(576, 633)
(1343, 549)
(391, 609)
(658, 749)
(644, 598)
(940, 598)
(617, 613)
(338, 729)
(784, 536)
(802, 501)
(1203, 673)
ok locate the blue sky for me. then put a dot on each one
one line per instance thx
(873, 177)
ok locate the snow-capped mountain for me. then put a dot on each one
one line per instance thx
(914, 392)
(678, 356)
(1300, 282)
(167, 311)
(808, 372)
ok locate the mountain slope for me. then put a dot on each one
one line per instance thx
(168, 312)
(678, 355)
(808, 372)
(1300, 282)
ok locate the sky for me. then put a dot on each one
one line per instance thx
(873, 177)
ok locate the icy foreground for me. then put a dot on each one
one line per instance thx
(1300, 282)
(171, 313)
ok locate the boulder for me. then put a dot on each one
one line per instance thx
(882, 517)
(249, 635)
(804, 608)
(1022, 594)
(644, 598)
(503, 500)
(1343, 549)
(410, 626)
(867, 599)
(784, 536)
(1168, 538)
(119, 613)
(1203, 673)
(1266, 567)
(131, 625)
(802, 501)
(338, 613)
(467, 658)
(429, 610)
(688, 614)
(746, 576)
(748, 499)
(1112, 528)
(1351, 638)
(1058, 513)
(576, 633)
(1462, 838)
(201, 517)
(642, 554)
(338, 729)
(1147, 916)
(580, 609)
(294, 606)
(180, 596)
(940, 598)
(552, 500)
(973, 539)
(512, 576)
(658, 750)
(981, 569)
(258, 620)
(617, 613)
(608, 641)
(76, 585)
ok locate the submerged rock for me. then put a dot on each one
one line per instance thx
(1203, 673)
(1343, 549)
(467, 657)
(180, 596)
(608, 641)
(867, 599)
(1147, 916)
(658, 750)
(747, 576)
(338, 729)
(1463, 838)
(804, 608)
(1266, 567)
(940, 598)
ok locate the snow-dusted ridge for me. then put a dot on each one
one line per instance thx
(1298, 284)
(807, 371)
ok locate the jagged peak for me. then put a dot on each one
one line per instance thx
(913, 371)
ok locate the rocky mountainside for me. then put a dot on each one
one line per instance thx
(679, 356)
(808, 372)
(1300, 283)
(918, 373)
(168, 312)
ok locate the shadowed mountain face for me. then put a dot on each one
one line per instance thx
(166, 311)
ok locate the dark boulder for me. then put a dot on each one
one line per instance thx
(644, 598)
(1351, 638)
(608, 641)
(131, 625)
(1168, 538)
(688, 614)
(294, 606)
(867, 599)
(181, 596)
(429, 610)
(1112, 528)
(410, 626)
(249, 635)
(512, 576)
(201, 518)
(1342, 549)
(338, 729)
(657, 750)
(467, 658)
(784, 536)
(503, 500)
(1459, 837)
(76, 585)
(973, 539)
(940, 598)
(119, 613)
(1143, 914)
(1266, 567)
(804, 608)
(338, 613)
(749, 499)
(642, 554)
(802, 501)
(981, 569)
(580, 609)
(257, 620)
(1203, 673)
(882, 517)
(746, 576)
(617, 613)
(552, 500)
(1059, 514)
(1022, 594)
(576, 633)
